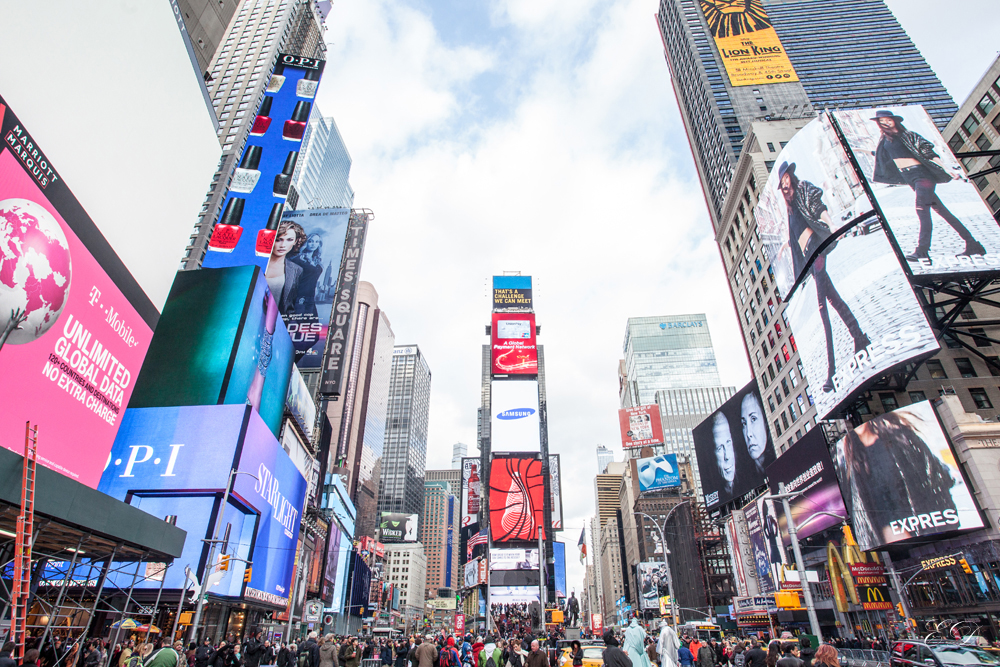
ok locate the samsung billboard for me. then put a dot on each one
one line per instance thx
(514, 418)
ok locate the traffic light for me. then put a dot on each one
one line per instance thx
(965, 565)
(224, 563)
(899, 610)
(247, 574)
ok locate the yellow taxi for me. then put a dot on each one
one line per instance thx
(592, 655)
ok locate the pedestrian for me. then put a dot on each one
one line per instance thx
(328, 652)
(536, 658)
(613, 656)
(427, 652)
(806, 651)
(5, 659)
(826, 656)
(30, 658)
(706, 656)
(788, 658)
(684, 655)
(576, 653)
(773, 653)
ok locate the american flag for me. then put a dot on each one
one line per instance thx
(476, 540)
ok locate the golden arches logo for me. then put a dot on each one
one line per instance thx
(875, 595)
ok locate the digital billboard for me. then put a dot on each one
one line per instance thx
(512, 293)
(516, 498)
(764, 538)
(559, 568)
(514, 594)
(658, 472)
(472, 489)
(806, 468)
(555, 491)
(513, 559)
(733, 447)
(344, 304)
(398, 527)
(748, 45)
(74, 324)
(246, 229)
(176, 461)
(900, 479)
(938, 218)
(302, 274)
(515, 351)
(300, 403)
(640, 426)
(514, 419)
(867, 321)
(653, 578)
(219, 341)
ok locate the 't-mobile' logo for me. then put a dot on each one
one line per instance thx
(516, 413)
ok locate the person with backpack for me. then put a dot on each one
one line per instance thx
(448, 656)
(308, 655)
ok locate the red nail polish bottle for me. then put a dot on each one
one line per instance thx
(227, 230)
(295, 127)
(265, 237)
(263, 119)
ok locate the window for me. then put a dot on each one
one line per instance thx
(791, 413)
(777, 362)
(979, 335)
(986, 104)
(770, 371)
(784, 386)
(965, 367)
(980, 398)
(757, 263)
(955, 144)
(777, 395)
(993, 364)
(791, 340)
(863, 408)
(770, 147)
(950, 342)
(777, 428)
(770, 305)
(760, 330)
(753, 337)
(777, 329)
(770, 402)
(784, 352)
(760, 359)
(968, 313)
(971, 124)
(889, 401)
(770, 338)
(802, 403)
(993, 200)
(784, 420)
(983, 142)
(792, 377)
(936, 370)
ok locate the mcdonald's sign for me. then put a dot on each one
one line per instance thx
(875, 597)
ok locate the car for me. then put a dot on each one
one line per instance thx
(923, 654)
(593, 655)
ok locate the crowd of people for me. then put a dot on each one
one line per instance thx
(514, 619)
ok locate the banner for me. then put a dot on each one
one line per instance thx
(515, 425)
(658, 472)
(872, 586)
(640, 426)
(398, 527)
(555, 491)
(513, 559)
(749, 47)
(516, 498)
(513, 343)
(763, 535)
(300, 403)
(472, 490)
(653, 583)
(512, 294)
(344, 305)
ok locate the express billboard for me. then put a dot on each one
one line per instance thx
(512, 293)
(176, 461)
(900, 480)
(398, 527)
(747, 43)
(867, 322)
(472, 489)
(658, 472)
(515, 351)
(514, 419)
(516, 498)
(640, 426)
(74, 324)
(733, 447)
(653, 583)
(555, 491)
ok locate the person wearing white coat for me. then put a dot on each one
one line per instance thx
(667, 645)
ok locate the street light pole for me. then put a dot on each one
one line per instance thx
(793, 534)
(666, 561)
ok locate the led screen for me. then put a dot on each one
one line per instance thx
(658, 472)
(764, 539)
(513, 594)
(640, 426)
(513, 342)
(516, 498)
(514, 421)
(398, 527)
(511, 293)
(513, 559)
(472, 490)
(559, 551)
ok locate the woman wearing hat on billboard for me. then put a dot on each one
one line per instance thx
(808, 228)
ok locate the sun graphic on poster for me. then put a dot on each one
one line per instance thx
(731, 18)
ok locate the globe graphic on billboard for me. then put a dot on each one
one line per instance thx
(35, 269)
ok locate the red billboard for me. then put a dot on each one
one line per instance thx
(513, 341)
(640, 426)
(517, 492)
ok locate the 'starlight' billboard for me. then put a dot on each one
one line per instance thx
(513, 342)
(658, 472)
(555, 491)
(939, 220)
(176, 461)
(653, 579)
(867, 322)
(246, 229)
(516, 498)
(514, 419)
(640, 426)
(512, 293)
(733, 447)
(302, 274)
(900, 479)
(219, 341)
(398, 527)
(513, 559)
(74, 324)
(472, 490)
(750, 49)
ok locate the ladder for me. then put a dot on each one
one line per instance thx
(22, 548)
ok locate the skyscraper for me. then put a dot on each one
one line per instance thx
(458, 450)
(405, 452)
(439, 535)
(604, 457)
(323, 168)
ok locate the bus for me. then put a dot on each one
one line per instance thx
(701, 630)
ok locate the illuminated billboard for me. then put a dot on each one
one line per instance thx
(512, 293)
(472, 489)
(640, 426)
(658, 472)
(555, 491)
(398, 527)
(749, 47)
(733, 447)
(514, 419)
(74, 324)
(516, 498)
(900, 479)
(513, 343)
(513, 559)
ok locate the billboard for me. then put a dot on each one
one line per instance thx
(868, 320)
(516, 498)
(514, 419)
(640, 426)
(344, 306)
(74, 324)
(302, 274)
(513, 594)
(900, 479)
(475, 572)
(749, 47)
(658, 472)
(653, 583)
(806, 467)
(938, 218)
(733, 447)
(555, 491)
(559, 568)
(764, 538)
(219, 341)
(300, 403)
(472, 489)
(512, 293)
(176, 461)
(514, 351)
(258, 188)
(513, 559)
(398, 527)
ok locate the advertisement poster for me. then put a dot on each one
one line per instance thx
(344, 304)
(658, 472)
(516, 498)
(398, 527)
(300, 403)
(762, 534)
(74, 324)
(749, 46)
(555, 489)
(513, 559)
(246, 228)
(640, 426)
(513, 342)
(855, 317)
(513, 594)
(938, 218)
(653, 581)
(512, 294)
(302, 275)
(733, 447)
(872, 586)
(472, 490)
(559, 568)
(900, 479)
(514, 419)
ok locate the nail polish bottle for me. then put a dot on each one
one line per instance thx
(265, 237)
(263, 119)
(295, 127)
(284, 180)
(246, 176)
(306, 87)
(227, 230)
(277, 79)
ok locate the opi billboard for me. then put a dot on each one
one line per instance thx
(245, 232)
(514, 349)
(74, 324)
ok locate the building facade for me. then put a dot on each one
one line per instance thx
(604, 457)
(458, 450)
(323, 170)
(407, 569)
(976, 127)
(439, 535)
